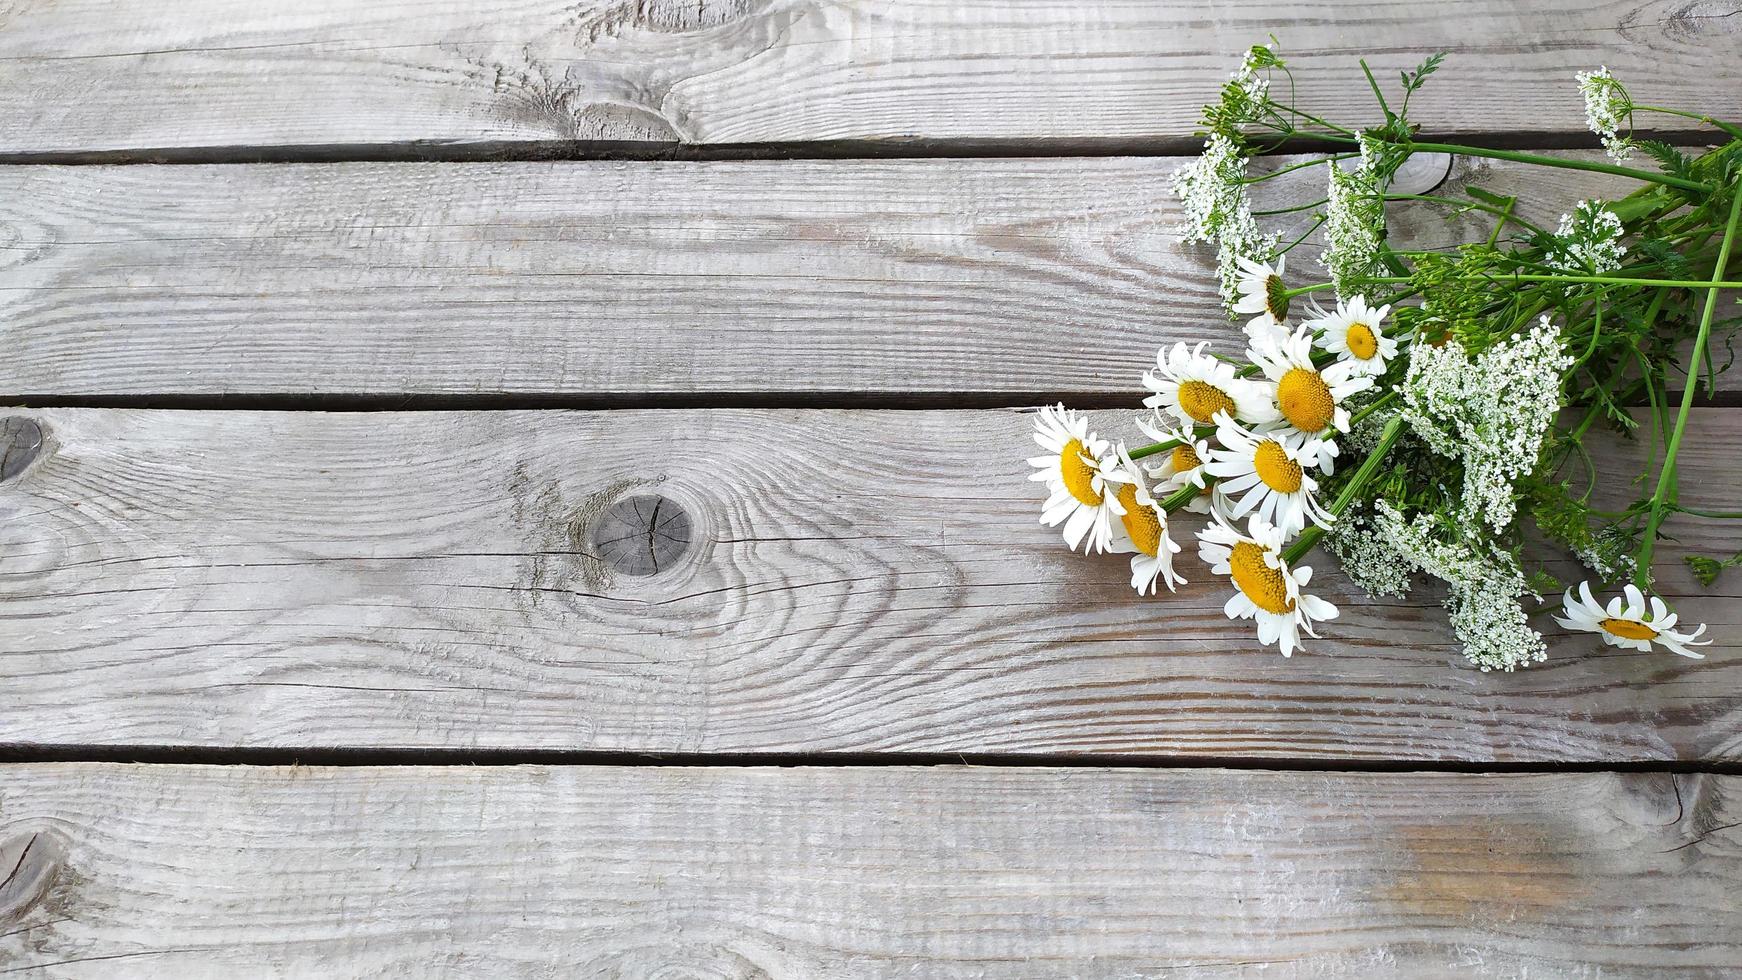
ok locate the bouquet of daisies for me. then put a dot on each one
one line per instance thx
(1423, 412)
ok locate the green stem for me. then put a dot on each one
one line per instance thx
(1666, 476)
(1564, 164)
(1152, 449)
(1504, 215)
(1735, 131)
(1185, 495)
(1369, 466)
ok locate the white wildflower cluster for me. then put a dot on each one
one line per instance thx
(1257, 442)
(1212, 190)
(1354, 226)
(1607, 109)
(1254, 87)
(1483, 588)
(1588, 241)
(1491, 413)
(1368, 557)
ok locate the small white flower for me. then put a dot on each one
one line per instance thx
(1193, 386)
(1588, 241)
(1607, 109)
(1080, 474)
(1263, 295)
(1355, 332)
(1183, 465)
(1354, 226)
(1491, 412)
(1212, 190)
(1144, 531)
(1258, 473)
(1266, 588)
(1483, 584)
(1633, 625)
(1307, 398)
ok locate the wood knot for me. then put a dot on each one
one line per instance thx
(28, 865)
(642, 535)
(20, 441)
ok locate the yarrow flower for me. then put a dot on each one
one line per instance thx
(1588, 241)
(1607, 109)
(1635, 625)
(1082, 477)
(1309, 399)
(1354, 223)
(1355, 332)
(1183, 465)
(1491, 412)
(1267, 589)
(1212, 190)
(1193, 387)
(1483, 587)
(1367, 557)
(1145, 531)
(1258, 473)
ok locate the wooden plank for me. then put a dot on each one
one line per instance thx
(95, 75)
(848, 581)
(532, 871)
(1004, 279)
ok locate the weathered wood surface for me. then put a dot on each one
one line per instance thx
(94, 75)
(531, 871)
(1021, 279)
(851, 581)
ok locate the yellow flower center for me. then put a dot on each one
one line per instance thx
(1262, 584)
(1141, 522)
(1305, 400)
(1273, 466)
(1629, 629)
(1078, 475)
(1361, 341)
(1185, 458)
(1276, 298)
(1203, 400)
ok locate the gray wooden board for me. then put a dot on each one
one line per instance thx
(946, 278)
(850, 581)
(532, 871)
(94, 75)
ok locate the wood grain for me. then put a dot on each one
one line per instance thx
(792, 874)
(80, 76)
(855, 581)
(994, 280)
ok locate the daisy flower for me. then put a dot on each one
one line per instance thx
(1257, 473)
(1193, 386)
(1266, 588)
(1259, 290)
(1353, 332)
(1144, 527)
(1307, 398)
(1633, 625)
(1079, 472)
(1183, 465)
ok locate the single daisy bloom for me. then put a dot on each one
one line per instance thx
(1260, 291)
(1193, 386)
(1258, 473)
(1266, 589)
(1183, 465)
(1080, 473)
(1309, 399)
(1355, 333)
(1144, 527)
(1634, 625)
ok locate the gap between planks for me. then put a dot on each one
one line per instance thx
(342, 758)
(539, 151)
